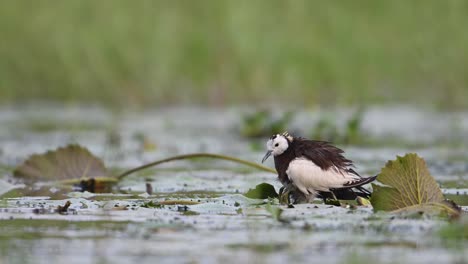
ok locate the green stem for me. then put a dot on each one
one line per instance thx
(196, 155)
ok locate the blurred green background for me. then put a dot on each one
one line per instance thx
(156, 53)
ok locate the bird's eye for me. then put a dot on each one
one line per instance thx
(276, 144)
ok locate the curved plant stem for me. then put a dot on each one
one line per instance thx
(197, 155)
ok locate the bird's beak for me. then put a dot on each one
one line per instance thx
(266, 156)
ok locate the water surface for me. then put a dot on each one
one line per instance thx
(213, 222)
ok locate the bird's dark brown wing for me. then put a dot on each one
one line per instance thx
(323, 154)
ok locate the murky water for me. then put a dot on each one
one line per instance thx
(212, 221)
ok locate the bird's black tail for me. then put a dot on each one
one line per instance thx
(347, 193)
(363, 192)
(359, 182)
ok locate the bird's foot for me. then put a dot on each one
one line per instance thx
(289, 194)
(284, 194)
(330, 198)
(334, 202)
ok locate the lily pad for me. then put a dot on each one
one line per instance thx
(70, 162)
(262, 191)
(408, 184)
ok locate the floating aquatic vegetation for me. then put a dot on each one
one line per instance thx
(70, 162)
(262, 191)
(75, 165)
(409, 187)
(275, 212)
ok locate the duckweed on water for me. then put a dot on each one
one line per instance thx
(261, 248)
(460, 199)
(455, 184)
(162, 204)
(152, 204)
(188, 213)
(275, 212)
(455, 231)
(407, 244)
(37, 228)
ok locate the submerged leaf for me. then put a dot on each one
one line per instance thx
(408, 184)
(262, 191)
(70, 162)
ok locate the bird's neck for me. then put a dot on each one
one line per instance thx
(281, 164)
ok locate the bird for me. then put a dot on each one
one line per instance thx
(316, 169)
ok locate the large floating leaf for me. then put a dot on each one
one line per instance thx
(70, 162)
(408, 184)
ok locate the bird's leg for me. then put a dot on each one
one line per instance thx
(324, 198)
(297, 196)
(334, 196)
(290, 194)
(333, 200)
(281, 190)
(285, 192)
(309, 198)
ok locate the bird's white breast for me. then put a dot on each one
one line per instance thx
(310, 178)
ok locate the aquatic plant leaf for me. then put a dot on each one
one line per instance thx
(262, 191)
(408, 184)
(70, 162)
(275, 211)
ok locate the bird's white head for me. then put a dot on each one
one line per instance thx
(277, 145)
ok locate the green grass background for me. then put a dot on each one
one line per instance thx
(298, 52)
